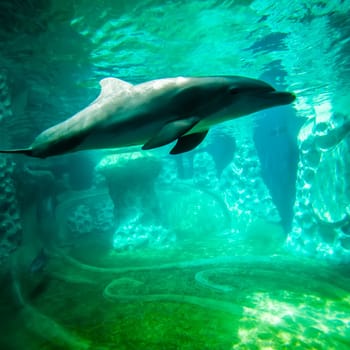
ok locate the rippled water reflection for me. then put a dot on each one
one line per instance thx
(73, 44)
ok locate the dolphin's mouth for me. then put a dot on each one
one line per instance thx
(282, 97)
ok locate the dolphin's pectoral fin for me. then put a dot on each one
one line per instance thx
(188, 142)
(170, 132)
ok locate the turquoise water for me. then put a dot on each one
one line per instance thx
(242, 243)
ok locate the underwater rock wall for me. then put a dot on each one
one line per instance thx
(147, 204)
(10, 222)
(88, 217)
(131, 180)
(18, 124)
(157, 206)
(240, 187)
(244, 191)
(5, 111)
(204, 171)
(321, 225)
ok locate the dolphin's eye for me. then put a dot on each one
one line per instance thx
(234, 91)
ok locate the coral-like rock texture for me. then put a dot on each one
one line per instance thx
(244, 191)
(130, 178)
(5, 111)
(237, 196)
(10, 222)
(80, 222)
(94, 213)
(131, 181)
(321, 224)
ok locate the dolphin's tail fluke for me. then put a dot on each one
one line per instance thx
(26, 151)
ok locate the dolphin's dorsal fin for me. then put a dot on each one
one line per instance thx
(112, 86)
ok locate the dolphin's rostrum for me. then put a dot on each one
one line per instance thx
(156, 113)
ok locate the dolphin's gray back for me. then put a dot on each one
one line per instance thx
(125, 114)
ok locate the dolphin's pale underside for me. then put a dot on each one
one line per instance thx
(156, 113)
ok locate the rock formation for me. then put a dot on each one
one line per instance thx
(321, 224)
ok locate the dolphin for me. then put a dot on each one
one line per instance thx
(156, 113)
